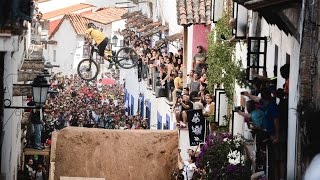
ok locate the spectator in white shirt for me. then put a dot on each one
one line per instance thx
(189, 167)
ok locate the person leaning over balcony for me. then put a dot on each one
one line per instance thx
(255, 115)
(271, 124)
(100, 39)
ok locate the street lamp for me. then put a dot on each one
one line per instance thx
(115, 40)
(40, 89)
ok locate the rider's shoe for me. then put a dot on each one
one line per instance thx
(110, 65)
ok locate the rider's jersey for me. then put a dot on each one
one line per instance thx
(96, 35)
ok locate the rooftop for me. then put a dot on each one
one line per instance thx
(106, 15)
(65, 10)
(78, 22)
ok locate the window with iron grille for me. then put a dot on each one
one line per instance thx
(256, 56)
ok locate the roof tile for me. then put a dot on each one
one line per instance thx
(77, 21)
(193, 12)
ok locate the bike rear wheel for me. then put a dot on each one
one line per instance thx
(127, 58)
(88, 69)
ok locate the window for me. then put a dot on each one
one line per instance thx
(240, 15)
(159, 121)
(45, 24)
(257, 56)
(287, 58)
(54, 56)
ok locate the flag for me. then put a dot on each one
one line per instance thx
(196, 127)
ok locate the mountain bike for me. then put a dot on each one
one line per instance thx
(88, 69)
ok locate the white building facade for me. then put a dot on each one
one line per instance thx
(11, 56)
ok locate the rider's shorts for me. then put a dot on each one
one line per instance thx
(102, 46)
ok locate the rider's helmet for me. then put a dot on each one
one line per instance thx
(91, 25)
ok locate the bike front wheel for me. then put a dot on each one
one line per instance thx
(127, 58)
(88, 69)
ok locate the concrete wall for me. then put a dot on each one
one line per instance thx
(11, 132)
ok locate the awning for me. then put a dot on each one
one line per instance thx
(170, 38)
(156, 30)
(149, 26)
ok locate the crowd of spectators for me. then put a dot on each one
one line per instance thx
(89, 104)
(267, 116)
(168, 69)
(79, 103)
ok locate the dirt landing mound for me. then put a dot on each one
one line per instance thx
(114, 154)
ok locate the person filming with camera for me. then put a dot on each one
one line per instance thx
(186, 105)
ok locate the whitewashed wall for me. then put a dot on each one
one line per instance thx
(166, 10)
(11, 147)
(66, 47)
(132, 85)
(190, 43)
(117, 25)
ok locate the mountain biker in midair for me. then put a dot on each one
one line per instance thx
(99, 38)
